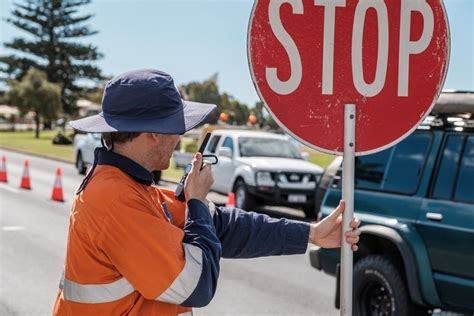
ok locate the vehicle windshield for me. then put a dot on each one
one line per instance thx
(267, 147)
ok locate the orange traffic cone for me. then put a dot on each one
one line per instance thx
(3, 170)
(230, 200)
(25, 179)
(57, 194)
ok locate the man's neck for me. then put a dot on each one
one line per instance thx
(136, 155)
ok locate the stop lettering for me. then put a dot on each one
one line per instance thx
(309, 58)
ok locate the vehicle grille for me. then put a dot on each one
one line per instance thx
(295, 177)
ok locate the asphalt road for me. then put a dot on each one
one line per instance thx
(33, 232)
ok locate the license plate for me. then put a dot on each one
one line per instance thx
(297, 198)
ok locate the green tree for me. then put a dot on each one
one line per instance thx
(95, 94)
(271, 124)
(264, 118)
(35, 93)
(237, 111)
(52, 45)
(258, 112)
(208, 92)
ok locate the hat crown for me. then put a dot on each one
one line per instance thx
(144, 93)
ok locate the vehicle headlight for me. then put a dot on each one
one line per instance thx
(264, 178)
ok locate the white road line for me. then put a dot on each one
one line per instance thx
(12, 228)
(7, 188)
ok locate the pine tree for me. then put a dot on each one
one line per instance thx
(54, 27)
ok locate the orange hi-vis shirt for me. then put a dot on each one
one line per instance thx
(125, 256)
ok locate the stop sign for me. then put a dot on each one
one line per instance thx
(308, 58)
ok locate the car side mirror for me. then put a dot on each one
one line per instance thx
(305, 155)
(224, 152)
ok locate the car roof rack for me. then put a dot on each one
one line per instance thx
(454, 102)
(454, 110)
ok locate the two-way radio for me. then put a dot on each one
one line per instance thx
(179, 193)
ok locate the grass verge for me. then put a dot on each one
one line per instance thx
(26, 142)
(320, 159)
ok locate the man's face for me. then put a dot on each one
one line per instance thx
(163, 149)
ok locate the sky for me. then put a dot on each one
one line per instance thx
(194, 39)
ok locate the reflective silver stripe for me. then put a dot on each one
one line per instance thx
(61, 283)
(95, 293)
(186, 314)
(187, 281)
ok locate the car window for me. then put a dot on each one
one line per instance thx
(370, 170)
(229, 143)
(211, 147)
(406, 164)
(443, 187)
(397, 169)
(465, 183)
(267, 147)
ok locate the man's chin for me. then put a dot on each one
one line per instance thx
(164, 166)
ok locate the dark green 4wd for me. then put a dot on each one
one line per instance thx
(416, 204)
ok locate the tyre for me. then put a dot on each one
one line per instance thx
(310, 211)
(243, 199)
(379, 289)
(80, 165)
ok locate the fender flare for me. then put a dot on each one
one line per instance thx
(407, 256)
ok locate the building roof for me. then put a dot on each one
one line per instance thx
(8, 110)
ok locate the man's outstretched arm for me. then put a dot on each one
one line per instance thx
(249, 235)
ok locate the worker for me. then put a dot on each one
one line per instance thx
(133, 248)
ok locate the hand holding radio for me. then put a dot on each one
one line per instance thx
(200, 168)
(199, 179)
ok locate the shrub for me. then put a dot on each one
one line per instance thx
(61, 139)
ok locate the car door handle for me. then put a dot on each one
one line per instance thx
(434, 216)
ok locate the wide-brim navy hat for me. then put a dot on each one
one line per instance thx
(144, 100)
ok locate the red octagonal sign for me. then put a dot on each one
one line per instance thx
(309, 58)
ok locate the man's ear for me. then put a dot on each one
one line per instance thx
(154, 137)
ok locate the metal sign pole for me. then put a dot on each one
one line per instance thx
(348, 197)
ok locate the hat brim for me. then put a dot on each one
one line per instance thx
(187, 118)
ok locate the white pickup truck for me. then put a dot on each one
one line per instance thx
(84, 145)
(263, 169)
(186, 148)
